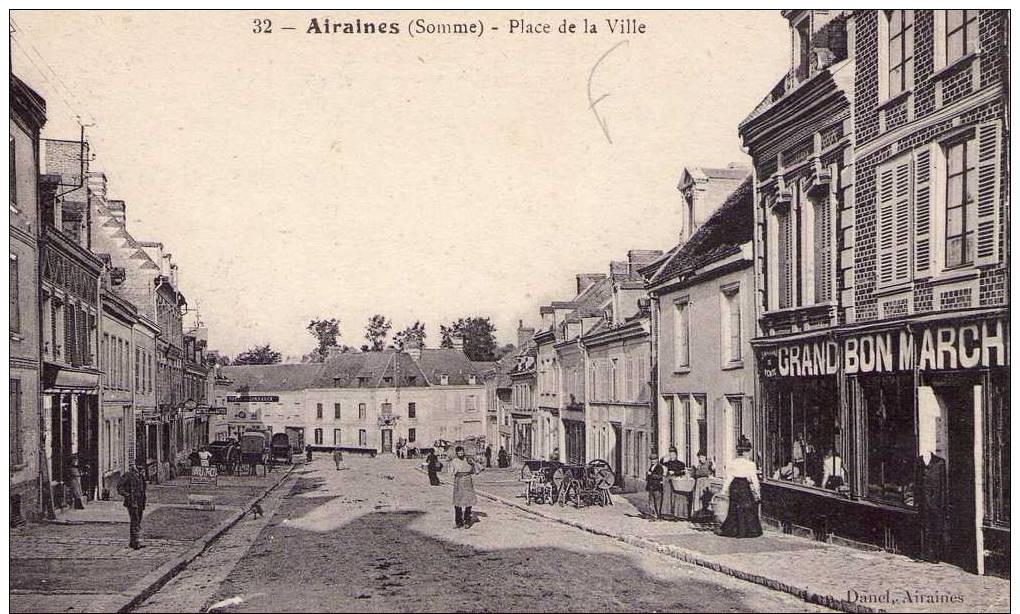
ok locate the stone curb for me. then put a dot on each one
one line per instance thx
(144, 588)
(693, 558)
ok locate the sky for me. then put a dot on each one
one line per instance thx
(295, 176)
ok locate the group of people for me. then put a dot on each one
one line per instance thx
(685, 492)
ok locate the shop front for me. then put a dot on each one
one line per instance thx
(893, 435)
(71, 415)
(522, 435)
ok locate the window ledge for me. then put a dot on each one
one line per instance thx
(954, 66)
(893, 100)
(894, 289)
(733, 364)
(681, 370)
(16, 336)
(948, 276)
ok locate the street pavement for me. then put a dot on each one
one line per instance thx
(82, 562)
(377, 537)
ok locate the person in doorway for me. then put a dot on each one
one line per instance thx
(488, 457)
(653, 485)
(463, 467)
(744, 491)
(702, 474)
(74, 481)
(433, 466)
(338, 459)
(677, 502)
(932, 502)
(132, 488)
(502, 458)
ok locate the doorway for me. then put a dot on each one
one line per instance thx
(88, 444)
(387, 440)
(618, 454)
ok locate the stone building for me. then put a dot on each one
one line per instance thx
(27, 472)
(702, 297)
(119, 385)
(522, 397)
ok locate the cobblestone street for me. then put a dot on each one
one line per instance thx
(377, 538)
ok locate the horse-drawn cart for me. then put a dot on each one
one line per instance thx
(254, 452)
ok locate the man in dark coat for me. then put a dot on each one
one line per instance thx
(132, 488)
(488, 457)
(932, 499)
(433, 466)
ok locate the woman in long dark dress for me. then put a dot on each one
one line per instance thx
(744, 494)
(432, 465)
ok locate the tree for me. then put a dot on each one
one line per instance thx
(326, 333)
(376, 331)
(479, 337)
(412, 336)
(223, 360)
(258, 355)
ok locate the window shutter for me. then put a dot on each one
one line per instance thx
(886, 225)
(922, 212)
(734, 340)
(903, 221)
(988, 194)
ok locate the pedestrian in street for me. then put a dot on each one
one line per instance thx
(653, 485)
(488, 457)
(433, 466)
(132, 488)
(703, 473)
(338, 459)
(463, 487)
(676, 500)
(744, 492)
(503, 459)
(74, 481)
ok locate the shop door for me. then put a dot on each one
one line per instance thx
(60, 446)
(88, 443)
(387, 440)
(961, 546)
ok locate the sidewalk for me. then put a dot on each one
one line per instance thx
(81, 562)
(830, 575)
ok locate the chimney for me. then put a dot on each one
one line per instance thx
(548, 316)
(587, 280)
(619, 267)
(458, 342)
(118, 210)
(524, 335)
(97, 185)
(641, 257)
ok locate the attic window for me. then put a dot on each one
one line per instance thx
(471, 379)
(362, 380)
(444, 380)
(387, 380)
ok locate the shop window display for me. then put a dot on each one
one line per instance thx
(805, 432)
(889, 409)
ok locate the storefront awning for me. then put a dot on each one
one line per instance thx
(56, 379)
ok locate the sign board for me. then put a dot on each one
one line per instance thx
(211, 411)
(203, 475)
(949, 346)
(253, 399)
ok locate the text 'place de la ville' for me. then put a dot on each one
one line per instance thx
(785, 386)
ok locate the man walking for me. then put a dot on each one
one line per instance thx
(132, 488)
(488, 457)
(338, 458)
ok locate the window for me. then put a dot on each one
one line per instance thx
(138, 361)
(823, 248)
(802, 36)
(362, 437)
(889, 407)
(362, 411)
(961, 204)
(901, 51)
(730, 324)
(786, 258)
(15, 422)
(337, 437)
(802, 429)
(961, 33)
(681, 334)
(318, 411)
(336, 411)
(894, 223)
(671, 418)
(411, 435)
(15, 298)
(736, 416)
(411, 410)
(318, 437)
(444, 379)
(472, 402)
(699, 426)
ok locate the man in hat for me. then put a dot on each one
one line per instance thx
(653, 485)
(132, 488)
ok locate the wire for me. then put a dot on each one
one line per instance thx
(78, 114)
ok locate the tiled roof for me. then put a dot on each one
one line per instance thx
(731, 226)
(454, 363)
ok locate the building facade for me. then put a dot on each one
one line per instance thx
(117, 351)
(27, 472)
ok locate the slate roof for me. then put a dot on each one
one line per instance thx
(731, 226)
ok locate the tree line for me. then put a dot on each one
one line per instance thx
(478, 334)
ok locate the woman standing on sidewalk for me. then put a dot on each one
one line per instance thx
(463, 467)
(744, 494)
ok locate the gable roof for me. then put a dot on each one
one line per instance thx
(731, 226)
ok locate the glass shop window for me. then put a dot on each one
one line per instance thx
(803, 435)
(892, 448)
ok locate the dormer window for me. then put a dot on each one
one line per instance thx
(802, 48)
(444, 380)
(471, 380)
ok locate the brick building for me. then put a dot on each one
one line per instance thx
(901, 355)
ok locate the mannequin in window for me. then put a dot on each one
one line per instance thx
(788, 472)
(833, 474)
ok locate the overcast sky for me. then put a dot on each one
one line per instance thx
(296, 175)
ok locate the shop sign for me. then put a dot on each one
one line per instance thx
(943, 347)
(203, 475)
(253, 399)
